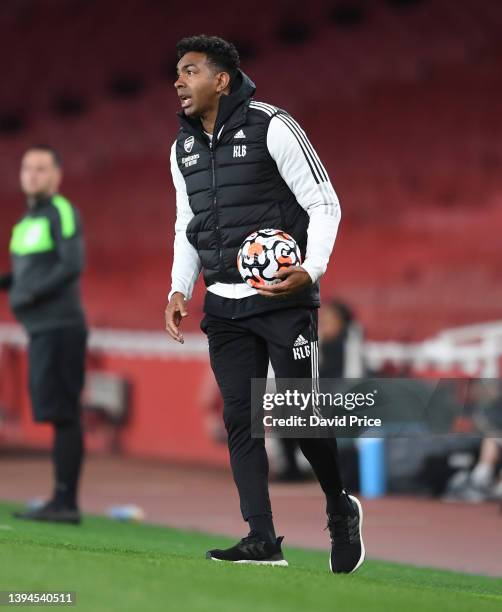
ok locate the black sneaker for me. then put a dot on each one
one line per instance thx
(253, 550)
(347, 547)
(51, 512)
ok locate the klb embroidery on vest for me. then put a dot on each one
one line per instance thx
(239, 150)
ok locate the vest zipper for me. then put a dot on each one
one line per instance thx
(215, 208)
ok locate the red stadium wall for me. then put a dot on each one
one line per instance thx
(174, 405)
(166, 419)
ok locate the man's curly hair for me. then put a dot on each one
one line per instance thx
(220, 53)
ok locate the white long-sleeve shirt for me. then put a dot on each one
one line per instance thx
(300, 167)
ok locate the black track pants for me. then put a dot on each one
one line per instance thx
(240, 350)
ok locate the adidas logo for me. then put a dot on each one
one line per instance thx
(240, 134)
(300, 341)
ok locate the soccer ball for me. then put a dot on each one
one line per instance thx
(265, 252)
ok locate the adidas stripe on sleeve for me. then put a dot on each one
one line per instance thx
(304, 173)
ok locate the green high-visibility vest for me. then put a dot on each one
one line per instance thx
(33, 234)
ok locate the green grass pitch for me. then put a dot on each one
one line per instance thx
(127, 566)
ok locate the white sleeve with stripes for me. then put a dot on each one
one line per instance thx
(301, 168)
(186, 261)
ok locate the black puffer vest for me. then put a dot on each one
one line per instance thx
(234, 188)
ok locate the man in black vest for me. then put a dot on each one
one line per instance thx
(239, 165)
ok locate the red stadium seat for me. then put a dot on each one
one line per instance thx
(403, 109)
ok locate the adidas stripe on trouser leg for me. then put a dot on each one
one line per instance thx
(239, 350)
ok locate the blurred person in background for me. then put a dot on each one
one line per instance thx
(47, 255)
(340, 342)
(484, 481)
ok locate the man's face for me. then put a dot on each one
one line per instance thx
(198, 84)
(39, 175)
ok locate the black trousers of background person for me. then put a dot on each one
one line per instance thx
(239, 350)
(56, 379)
